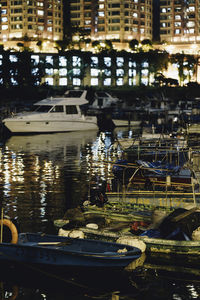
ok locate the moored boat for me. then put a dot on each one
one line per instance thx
(55, 252)
(54, 114)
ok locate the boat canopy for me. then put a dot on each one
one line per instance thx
(159, 167)
(76, 97)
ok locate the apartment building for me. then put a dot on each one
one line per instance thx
(116, 20)
(29, 21)
(180, 25)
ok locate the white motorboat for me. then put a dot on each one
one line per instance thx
(54, 114)
(103, 100)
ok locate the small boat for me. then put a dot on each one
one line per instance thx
(167, 246)
(149, 174)
(54, 114)
(52, 251)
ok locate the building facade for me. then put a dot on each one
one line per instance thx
(30, 21)
(180, 25)
(116, 20)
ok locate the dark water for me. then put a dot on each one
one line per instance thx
(41, 176)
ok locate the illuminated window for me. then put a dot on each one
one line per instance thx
(50, 29)
(13, 58)
(62, 72)
(76, 71)
(131, 72)
(49, 59)
(132, 81)
(191, 30)
(62, 61)
(107, 61)
(36, 58)
(40, 4)
(101, 6)
(145, 72)
(177, 31)
(4, 19)
(120, 72)
(119, 81)
(4, 27)
(49, 71)
(107, 82)
(107, 72)
(76, 61)
(120, 61)
(145, 64)
(49, 81)
(94, 81)
(35, 71)
(40, 13)
(13, 81)
(63, 81)
(94, 72)
(101, 14)
(144, 81)
(191, 24)
(132, 64)
(191, 8)
(76, 81)
(94, 61)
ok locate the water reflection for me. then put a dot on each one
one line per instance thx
(43, 175)
(39, 174)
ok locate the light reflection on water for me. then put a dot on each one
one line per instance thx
(43, 175)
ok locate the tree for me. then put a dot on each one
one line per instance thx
(62, 45)
(186, 65)
(157, 60)
(133, 45)
(146, 44)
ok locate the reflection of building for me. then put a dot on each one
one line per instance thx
(114, 19)
(29, 21)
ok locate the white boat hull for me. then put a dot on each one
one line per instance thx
(125, 123)
(54, 114)
(21, 126)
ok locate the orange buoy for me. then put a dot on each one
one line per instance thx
(12, 228)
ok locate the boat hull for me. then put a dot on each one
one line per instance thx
(126, 123)
(171, 246)
(61, 252)
(45, 126)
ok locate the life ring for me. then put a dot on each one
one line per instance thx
(12, 228)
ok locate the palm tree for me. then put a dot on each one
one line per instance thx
(158, 61)
(186, 65)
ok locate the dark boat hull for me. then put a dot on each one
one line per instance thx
(53, 251)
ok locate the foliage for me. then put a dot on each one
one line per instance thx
(133, 45)
(186, 65)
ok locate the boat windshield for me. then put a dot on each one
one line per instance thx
(43, 108)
